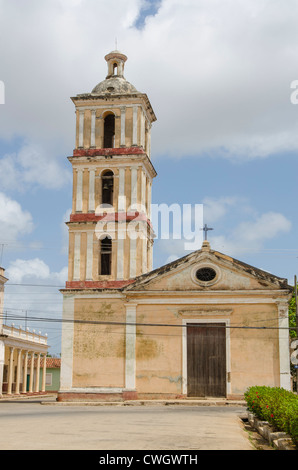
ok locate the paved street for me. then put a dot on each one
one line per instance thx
(31, 425)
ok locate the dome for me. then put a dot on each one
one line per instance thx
(114, 85)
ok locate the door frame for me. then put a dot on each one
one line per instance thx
(185, 321)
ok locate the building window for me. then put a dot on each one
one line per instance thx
(105, 256)
(107, 188)
(49, 378)
(206, 274)
(109, 131)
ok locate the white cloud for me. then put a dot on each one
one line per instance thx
(266, 226)
(244, 237)
(39, 167)
(216, 208)
(53, 51)
(21, 269)
(9, 172)
(14, 221)
(32, 298)
(250, 236)
(217, 72)
(32, 165)
(35, 270)
(221, 77)
(170, 250)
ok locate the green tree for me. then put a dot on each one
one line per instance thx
(292, 315)
(293, 334)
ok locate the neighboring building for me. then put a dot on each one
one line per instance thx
(17, 346)
(53, 374)
(190, 328)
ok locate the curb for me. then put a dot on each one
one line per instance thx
(279, 440)
(27, 397)
(206, 402)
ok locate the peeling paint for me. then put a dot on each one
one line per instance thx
(176, 380)
(171, 379)
(147, 348)
(174, 311)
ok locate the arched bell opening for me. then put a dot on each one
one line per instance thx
(115, 68)
(109, 131)
(107, 188)
(105, 259)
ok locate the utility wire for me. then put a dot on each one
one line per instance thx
(98, 322)
(273, 318)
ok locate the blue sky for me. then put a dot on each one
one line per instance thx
(218, 75)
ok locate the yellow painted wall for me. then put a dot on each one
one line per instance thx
(99, 350)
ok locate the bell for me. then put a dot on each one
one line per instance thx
(105, 186)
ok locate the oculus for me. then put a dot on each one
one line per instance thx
(205, 274)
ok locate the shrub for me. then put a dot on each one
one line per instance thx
(277, 406)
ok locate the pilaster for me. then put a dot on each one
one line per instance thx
(93, 121)
(134, 186)
(37, 373)
(18, 375)
(44, 371)
(284, 347)
(77, 256)
(123, 115)
(25, 370)
(135, 126)
(10, 371)
(81, 128)
(79, 191)
(130, 355)
(67, 343)
(89, 256)
(31, 373)
(91, 205)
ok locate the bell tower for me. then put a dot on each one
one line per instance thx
(110, 233)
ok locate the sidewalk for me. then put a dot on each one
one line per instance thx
(50, 399)
(183, 402)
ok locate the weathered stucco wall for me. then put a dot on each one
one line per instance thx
(254, 352)
(158, 350)
(113, 106)
(99, 349)
(252, 355)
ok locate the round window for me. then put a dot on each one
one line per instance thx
(205, 274)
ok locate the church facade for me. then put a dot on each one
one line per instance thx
(203, 325)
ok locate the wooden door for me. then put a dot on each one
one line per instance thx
(206, 359)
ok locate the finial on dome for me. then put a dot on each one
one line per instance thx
(116, 61)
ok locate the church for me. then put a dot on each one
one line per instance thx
(205, 325)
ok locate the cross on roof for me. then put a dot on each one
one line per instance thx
(205, 229)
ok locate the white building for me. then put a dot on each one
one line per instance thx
(16, 347)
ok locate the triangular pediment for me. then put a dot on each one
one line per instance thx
(186, 274)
